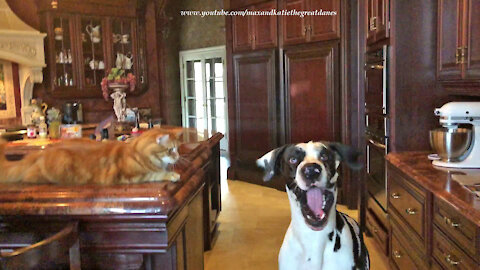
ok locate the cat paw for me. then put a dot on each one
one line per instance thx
(173, 176)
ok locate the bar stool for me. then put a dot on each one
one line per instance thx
(43, 254)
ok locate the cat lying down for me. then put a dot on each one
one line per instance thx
(81, 161)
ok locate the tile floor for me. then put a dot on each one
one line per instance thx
(253, 223)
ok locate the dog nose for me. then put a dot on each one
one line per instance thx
(311, 171)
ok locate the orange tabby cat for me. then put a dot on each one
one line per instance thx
(82, 161)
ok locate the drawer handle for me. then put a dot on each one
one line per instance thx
(397, 254)
(410, 211)
(451, 261)
(396, 195)
(448, 221)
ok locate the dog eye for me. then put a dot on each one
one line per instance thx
(324, 157)
(293, 160)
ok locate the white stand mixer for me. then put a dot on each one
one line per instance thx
(451, 115)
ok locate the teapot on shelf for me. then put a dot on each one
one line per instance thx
(94, 32)
(120, 60)
(128, 61)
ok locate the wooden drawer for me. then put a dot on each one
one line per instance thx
(378, 231)
(456, 227)
(436, 266)
(449, 255)
(408, 201)
(399, 256)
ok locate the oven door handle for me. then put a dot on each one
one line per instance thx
(379, 67)
(377, 144)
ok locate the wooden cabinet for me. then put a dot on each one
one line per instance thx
(378, 16)
(458, 49)
(408, 209)
(426, 231)
(255, 122)
(312, 93)
(310, 28)
(448, 255)
(255, 32)
(84, 43)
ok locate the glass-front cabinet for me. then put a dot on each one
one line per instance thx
(82, 46)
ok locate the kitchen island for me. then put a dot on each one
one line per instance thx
(159, 225)
(434, 214)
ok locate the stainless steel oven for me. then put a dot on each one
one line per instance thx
(377, 124)
(376, 172)
(376, 81)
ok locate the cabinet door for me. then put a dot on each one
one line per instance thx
(255, 105)
(472, 68)
(61, 54)
(312, 93)
(265, 27)
(294, 28)
(449, 39)
(324, 27)
(242, 33)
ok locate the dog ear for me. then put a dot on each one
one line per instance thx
(271, 162)
(348, 154)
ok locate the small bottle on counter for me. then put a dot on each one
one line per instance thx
(42, 128)
(31, 132)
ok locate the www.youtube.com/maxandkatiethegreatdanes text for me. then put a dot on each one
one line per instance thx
(246, 12)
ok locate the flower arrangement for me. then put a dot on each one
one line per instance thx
(117, 76)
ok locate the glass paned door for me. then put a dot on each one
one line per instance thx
(204, 91)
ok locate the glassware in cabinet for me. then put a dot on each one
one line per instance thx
(63, 72)
(92, 50)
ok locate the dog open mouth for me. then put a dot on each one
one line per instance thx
(315, 204)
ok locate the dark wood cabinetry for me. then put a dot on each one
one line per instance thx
(282, 94)
(84, 40)
(408, 210)
(378, 16)
(434, 221)
(255, 32)
(255, 102)
(297, 29)
(311, 86)
(458, 55)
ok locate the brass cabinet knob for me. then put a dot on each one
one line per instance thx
(397, 254)
(457, 55)
(450, 259)
(395, 195)
(410, 211)
(450, 222)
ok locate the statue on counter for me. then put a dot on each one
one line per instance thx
(119, 105)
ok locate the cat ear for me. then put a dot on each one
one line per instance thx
(163, 139)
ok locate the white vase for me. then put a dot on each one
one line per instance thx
(119, 100)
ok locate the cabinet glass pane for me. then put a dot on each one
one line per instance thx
(92, 50)
(64, 60)
(123, 54)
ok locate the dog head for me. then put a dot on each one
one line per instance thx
(310, 170)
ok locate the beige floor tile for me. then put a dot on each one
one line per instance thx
(253, 223)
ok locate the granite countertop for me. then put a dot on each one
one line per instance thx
(446, 184)
(155, 198)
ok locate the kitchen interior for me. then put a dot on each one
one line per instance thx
(398, 80)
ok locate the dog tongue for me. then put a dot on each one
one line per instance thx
(315, 201)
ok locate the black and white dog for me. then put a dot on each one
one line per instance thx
(319, 237)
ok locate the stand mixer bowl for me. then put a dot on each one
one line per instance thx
(451, 144)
